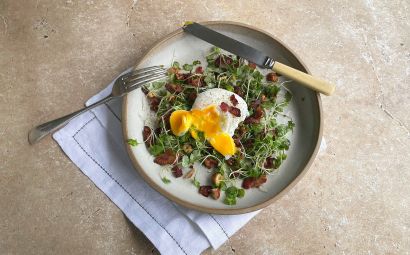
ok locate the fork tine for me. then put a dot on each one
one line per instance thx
(151, 69)
(146, 69)
(142, 75)
(130, 85)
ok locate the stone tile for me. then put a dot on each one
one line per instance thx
(56, 54)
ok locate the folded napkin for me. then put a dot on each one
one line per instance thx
(94, 142)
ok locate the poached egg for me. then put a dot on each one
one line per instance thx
(207, 116)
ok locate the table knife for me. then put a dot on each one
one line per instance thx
(257, 57)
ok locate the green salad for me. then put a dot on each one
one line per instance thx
(260, 140)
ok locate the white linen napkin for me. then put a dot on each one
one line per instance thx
(94, 142)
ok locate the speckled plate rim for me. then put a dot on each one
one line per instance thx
(177, 200)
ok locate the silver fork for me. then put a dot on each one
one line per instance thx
(123, 84)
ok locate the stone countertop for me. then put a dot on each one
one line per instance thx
(355, 198)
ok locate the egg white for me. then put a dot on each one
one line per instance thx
(215, 97)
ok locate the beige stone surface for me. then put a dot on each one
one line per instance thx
(354, 200)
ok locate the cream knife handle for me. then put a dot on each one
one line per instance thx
(305, 79)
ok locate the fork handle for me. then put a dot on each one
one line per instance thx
(39, 132)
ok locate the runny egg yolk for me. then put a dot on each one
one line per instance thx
(223, 143)
(206, 120)
(180, 121)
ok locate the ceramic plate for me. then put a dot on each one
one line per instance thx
(305, 109)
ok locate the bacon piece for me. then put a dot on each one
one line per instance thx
(182, 76)
(166, 158)
(261, 180)
(173, 70)
(223, 61)
(196, 82)
(251, 120)
(205, 190)
(154, 103)
(235, 111)
(192, 96)
(230, 161)
(258, 112)
(224, 107)
(255, 117)
(238, 91)
(176, 171)
(199, 70)
(253, 182)
(174, 88)
(233, 99)
(210, 163)
(272, 77)
(248, 182)
(252, 65)
(237, 141)
(147, 136)
(269, 163)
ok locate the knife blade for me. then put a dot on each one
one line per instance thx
(259, 58)
(236, 47)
